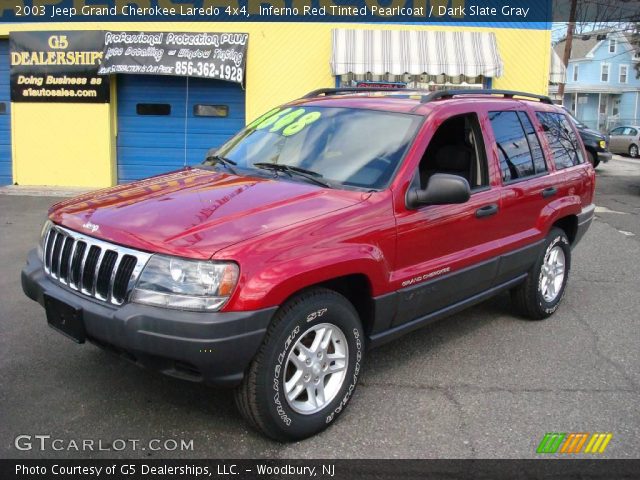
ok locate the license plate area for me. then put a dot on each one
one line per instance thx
(65, 319)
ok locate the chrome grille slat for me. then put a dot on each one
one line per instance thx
(114, 272)
(65, 254)
(72, 252)
(78, 261)
(94, 287)
(55, 255)
(82, 264)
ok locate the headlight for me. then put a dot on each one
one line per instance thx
(185, 284)
(43, 235)
(603, 144)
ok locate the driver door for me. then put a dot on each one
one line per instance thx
(448, 253)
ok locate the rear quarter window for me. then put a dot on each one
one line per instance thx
(562, 139)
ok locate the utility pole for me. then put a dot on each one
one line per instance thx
(567, 44)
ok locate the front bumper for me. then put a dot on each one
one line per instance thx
(585, 217)
(604, 156)
(210, 347)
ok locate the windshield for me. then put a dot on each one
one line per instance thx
(343, 146)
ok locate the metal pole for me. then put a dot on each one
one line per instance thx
(567, 45)
(186, 121)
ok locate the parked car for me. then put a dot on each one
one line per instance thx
(595, 143)
(337, 222)
(625, 140)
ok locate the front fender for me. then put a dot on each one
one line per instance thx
(359, 240)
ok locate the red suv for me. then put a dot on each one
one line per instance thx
(337, 222)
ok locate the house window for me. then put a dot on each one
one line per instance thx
(575, 73)
(624, 70)
(612, 45)
(604, 72)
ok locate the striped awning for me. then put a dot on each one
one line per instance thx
(399, 52)
(558, 72)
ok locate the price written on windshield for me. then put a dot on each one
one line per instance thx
(209, 69)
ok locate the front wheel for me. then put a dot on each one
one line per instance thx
(633, 151)
(307, 368)
(539, 296)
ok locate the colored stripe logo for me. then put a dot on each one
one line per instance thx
(574, 443)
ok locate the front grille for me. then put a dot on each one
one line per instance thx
(92, 267)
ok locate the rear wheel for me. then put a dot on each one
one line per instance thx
(593, 158)
(307, 368)
(633, 151)
(541, 293)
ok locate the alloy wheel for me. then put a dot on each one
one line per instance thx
(316, 368)
(552, 274)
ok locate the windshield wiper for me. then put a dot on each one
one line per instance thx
(219, 159)
(290, 169)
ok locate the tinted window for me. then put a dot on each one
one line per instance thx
(562, 139)
(211, 110)
(153, 109)
(516, 160)
(617, 131)
(534, 143)
(633, 132)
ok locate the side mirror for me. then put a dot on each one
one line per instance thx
(442, 189)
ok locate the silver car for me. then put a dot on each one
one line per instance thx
(625, 140)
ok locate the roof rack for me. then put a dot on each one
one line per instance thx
(505, 93)
(426, 95)
(340, 90)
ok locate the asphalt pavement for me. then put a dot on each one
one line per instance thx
(481, 384)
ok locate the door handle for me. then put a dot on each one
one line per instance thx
(549, 192)
(487, 210)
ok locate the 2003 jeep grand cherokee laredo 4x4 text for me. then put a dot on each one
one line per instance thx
(338, 221)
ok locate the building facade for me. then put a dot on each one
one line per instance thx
(156, 123)
(602, 89)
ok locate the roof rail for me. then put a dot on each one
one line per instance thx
(337, 91)
(505, 93)
(426, 95)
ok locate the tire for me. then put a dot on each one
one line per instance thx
(633, 150)
(535, 298)
(593, 159)
(262, 399)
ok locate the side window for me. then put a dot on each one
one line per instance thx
(456, 148)
(516, 159)
(633, 132)
(534, 143)
(617, 131)
(562, 139)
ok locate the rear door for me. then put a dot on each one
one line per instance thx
(568, 157)
(528, 185)
(630, 136)
(616, 140)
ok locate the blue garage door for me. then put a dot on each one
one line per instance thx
(151, 121)
(5, 115)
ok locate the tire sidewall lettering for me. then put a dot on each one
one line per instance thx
(286, 419)
(286, 416)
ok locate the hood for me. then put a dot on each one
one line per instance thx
(591, 133)
(195, 212)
